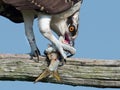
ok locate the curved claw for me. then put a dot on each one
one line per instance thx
(36, 54)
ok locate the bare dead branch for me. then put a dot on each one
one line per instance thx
(76, 72)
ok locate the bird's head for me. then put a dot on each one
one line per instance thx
(72, 24)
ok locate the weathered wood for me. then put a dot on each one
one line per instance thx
(76, 72)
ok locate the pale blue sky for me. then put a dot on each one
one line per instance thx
(99, 34)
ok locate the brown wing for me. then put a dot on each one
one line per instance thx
(54, 6)
(47, 6)
(21, 4)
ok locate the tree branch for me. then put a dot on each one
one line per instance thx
(76, 72)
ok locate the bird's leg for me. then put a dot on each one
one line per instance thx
(28, 23)
(46, 31)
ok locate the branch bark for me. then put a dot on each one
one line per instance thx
(76, 72)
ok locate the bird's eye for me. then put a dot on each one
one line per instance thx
(71, 28)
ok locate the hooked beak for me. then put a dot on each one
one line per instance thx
(75, 36)
(68, 39)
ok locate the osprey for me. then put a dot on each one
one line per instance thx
(60, 16)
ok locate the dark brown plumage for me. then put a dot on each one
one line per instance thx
(10, 12)
(47, 6)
